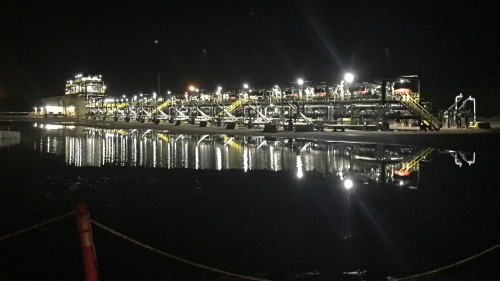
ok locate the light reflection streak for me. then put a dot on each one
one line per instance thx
(245, 159)
(218, 158)
(154, 154)
(196, 157)
(300, 172)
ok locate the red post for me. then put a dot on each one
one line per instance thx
(86, 242)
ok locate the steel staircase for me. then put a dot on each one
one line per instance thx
(411, 162)
(231, 142)
(233, 106)
(160, 107)
(419, 111)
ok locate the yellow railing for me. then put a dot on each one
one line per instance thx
(232, 107)
(121, 105)
(231, 142)
(162, 136)
(160, 107)
(108, 105)
(417, 109)
(411, 162)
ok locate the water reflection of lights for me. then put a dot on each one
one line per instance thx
(300, 172)
(351, 163)
(57, 127)
(348, 184)
(218, 157)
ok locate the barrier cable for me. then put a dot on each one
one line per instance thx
(448, 266)
(35, 226)
(168, 255)
(216, 270)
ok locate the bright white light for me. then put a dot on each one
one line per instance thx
(300, 172)
(219, 89)
(401, 183)
(348, 77)
(57, 127)
(245, 86)
(348, 184)
(300, 81)
(53, 109)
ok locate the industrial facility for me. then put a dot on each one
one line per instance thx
(299, 106)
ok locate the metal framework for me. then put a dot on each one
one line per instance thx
(366, 105)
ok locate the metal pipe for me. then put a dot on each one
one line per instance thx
(474, 103)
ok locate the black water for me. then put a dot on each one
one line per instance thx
(270, 208)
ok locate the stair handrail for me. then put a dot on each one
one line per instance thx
(419, 109)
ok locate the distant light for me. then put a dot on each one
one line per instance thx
(168, 92)
(348, 184)
(402, 81)
(245, 86)
(348, 77)
(219, 88)
(401, 183)
(300, 81)
(192, 88)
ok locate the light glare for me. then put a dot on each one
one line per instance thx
(348, 77)
(348, 184)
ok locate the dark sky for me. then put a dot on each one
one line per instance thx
(453, 46)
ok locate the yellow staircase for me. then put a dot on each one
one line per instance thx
(233, 106)
(160, 107)
(411, 162)
(231, 142)
(162, 136)
(419, 111)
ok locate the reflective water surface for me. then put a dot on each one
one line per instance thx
(284, 209)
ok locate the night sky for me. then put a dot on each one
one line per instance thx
(452, 45)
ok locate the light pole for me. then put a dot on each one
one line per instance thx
(349, 78)
(245, 92)
(158, 67)
(300, 82)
